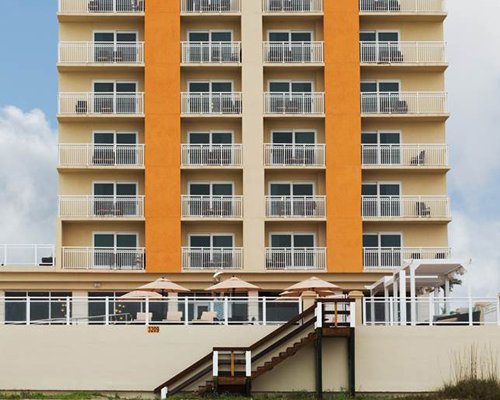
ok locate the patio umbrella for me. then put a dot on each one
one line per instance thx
(163, 285)
(141, 295)
(233, 285)
(321, 293)
(313, 284)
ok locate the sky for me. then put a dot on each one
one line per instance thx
(28, 90)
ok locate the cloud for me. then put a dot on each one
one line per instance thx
(28, 177)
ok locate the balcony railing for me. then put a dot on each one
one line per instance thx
(211, 52)
(211, 103)
(211, 155)
(77, 104)
(402, 6)
(294, 103)
(212, 206)
(405, 155)
(212, 258)
(100, 6)
(101, 155)
(393, 257)
(401, 103)
(101, 206)
(293, 52)
(101, 53)
(403, 52)
(103, 258)
(292, 6)
(294, 155)
(26, 255)
(295, 206)
(405, 207)
(287, 258)
(210, 6)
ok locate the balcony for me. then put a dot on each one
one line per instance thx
(387, 258)
(294, 155)
(293, 259)
(404, 104)
(403, 53)
(212, 258)
(101, 104)
(217, 53)
(101, 7)
(211, 155)
(212, 207)
(129, 156)
(395, 7)
(396, 156)
(103, 258)
(101, 207)
(26, 255)
(211, 104)
(400, 208)
(277, 53)
(210, 7)
(292, 6)
(101, 53)
(299, 207)
(294, 104)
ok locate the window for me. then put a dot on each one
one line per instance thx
(211, 251)
(117, 251)
(289, 199)
(211, 46)
(382, 250)
(291, 250)
(115, 47)
(212, 97)
(45, 307)
(211, 199)
(210, 87)
(293, 147)
(382, 96)
(290, 87)
(381, 147)
(112, 148)
(290, 97)
(381, 199)
(115, 199)
(290, 46)
(210, 148)
(119, 97)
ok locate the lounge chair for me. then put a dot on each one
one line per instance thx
(141, 317)
(174, 317)
(207, 317)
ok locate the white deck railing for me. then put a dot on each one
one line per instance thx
(210, 6)
(295, 155)
(404, 103)
(211, 103)
(295, 206)
(301, 259)
(393, 257)
(294, 103)
(292, 6)
(101, 206)
(101, 53)
(402, 6)
(221, 155)
(402, 52)
(101, 155)
(103, 258)
(404, 155)
(211, 52)
(212, 258)
(293, 52)
(100, 6)
(27, 255)
(212, 206)
(101, 104)
(405, 207)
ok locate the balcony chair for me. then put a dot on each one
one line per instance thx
(81, 107)
(420, 159)
(393, 105)
(385, 5)
(390, 54)
(461, 317)
(103, 157)
(173, 317)
(277, 261)
(207, 317)
(104, 208)
(423, 210)
(440, 256)
(103, 54)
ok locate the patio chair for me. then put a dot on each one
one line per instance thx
(81, 107)
(423, 210)
(420, 159)
(173, 317)
(143, 317)
(207, 317)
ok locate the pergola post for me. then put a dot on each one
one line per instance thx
(413, 294)
(402, 296)
(446, 293)
(386, 302)
(395, 298)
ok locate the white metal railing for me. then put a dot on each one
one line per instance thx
(101, 103)
(101, 155)
(212, 258)
(430, 310)
(401, 207)
(288, 258)
(405, 155)
(211, 52)
(59, 309)
(402, 6)
(27, 255)
(100, 6)
(101, 206)
(294, 103)
(404, 103)
(211, 103)
(103, 258)
(222, 155)
(297, 155)
(293, 52)
(101, 53)
(402, 52)
(296, 206)
(292, 6)
(212, 206)
(393, 257)
(210, 6)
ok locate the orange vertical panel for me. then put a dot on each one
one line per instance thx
(343, 135)
(162, 136)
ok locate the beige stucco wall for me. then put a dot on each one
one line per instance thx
(207, 176)
(196, 125)
(411, 184)
(207, 24)
(78, 132)
(414, 235)
(298, 124)
(223, 227)
(82, 183)
(423, 132)
(315, 26)
(83, 31)
(80, 234)
(409, 31)
(82, 81)
(409, 81)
